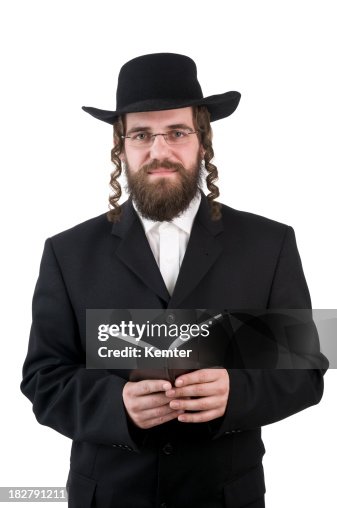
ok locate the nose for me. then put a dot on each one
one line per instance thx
(159, 148)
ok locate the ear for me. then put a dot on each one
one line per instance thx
(202, 151)
(122, 156)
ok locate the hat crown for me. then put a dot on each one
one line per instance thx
(158, 76)
(162, 81)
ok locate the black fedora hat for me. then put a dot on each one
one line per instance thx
(162, 81)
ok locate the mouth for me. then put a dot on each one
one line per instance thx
(161, 171)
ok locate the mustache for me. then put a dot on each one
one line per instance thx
(156, 164)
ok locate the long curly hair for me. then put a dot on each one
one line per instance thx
(201, 120)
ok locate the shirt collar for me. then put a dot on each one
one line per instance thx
(184, 221)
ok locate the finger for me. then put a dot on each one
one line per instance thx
(148, 386)
(150, 401)
(193, 390)
(199, 417)
(159, 420)
(157, 412)
(198, 376)
(200, 404)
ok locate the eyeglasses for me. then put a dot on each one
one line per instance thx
(173, 137)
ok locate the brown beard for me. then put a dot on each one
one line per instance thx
(163, 200)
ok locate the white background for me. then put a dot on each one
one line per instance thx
(276, 157)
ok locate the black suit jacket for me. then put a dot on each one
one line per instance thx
(241, 261)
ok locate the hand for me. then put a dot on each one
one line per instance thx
(209, 389)
(146, 403)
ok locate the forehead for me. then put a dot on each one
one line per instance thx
(160, 119)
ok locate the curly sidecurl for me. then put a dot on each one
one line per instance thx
(201, 120)
(114, 213)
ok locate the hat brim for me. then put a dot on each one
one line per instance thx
(219, 106)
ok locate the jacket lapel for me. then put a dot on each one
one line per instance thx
(135, 252)
(203, 249)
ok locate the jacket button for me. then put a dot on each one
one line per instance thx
(168, 449)
(170, 318)
(163, 505)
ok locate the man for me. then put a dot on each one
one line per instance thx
(152, 443)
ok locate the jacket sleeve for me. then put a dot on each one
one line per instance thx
(82, 404)
(259, 397)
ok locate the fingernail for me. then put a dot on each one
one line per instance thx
(179, 382)
(181, 418)
(166, 386)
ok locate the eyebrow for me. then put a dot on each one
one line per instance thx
(148, 129)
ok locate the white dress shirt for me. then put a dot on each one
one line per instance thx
(168, 241)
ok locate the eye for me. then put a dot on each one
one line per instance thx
(140, 136)
(178, 134)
